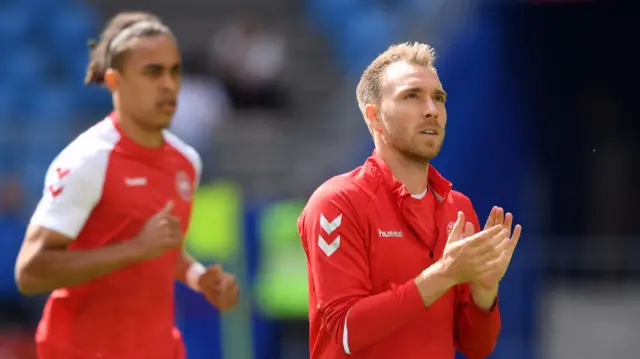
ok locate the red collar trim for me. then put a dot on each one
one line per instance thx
(130, 144)
(437, 183)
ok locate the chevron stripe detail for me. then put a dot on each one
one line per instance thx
(330, 226)
(327, 248)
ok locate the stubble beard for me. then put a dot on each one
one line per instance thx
(411, 153)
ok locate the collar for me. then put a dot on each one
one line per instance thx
(438, 184)
(132, 145)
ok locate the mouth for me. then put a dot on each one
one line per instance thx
(429, 132)
(168, 105)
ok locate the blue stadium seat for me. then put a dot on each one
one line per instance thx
(53, 104)
(421, 6)
(15, 25)
(94, 99)
(42, 10)
(31, 175)
(7, 104)
(332, 16)
(75, 65)
(8, 125)
(90, 99)
(369, 33)
(26, 67)
(69, 29)
(42, 143)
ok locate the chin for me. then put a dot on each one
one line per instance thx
(158, 126)
(429, 154)
(164, 121)
(418, 156)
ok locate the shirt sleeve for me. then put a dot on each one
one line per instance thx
(73, 186)
(335, 242)
(476, 332)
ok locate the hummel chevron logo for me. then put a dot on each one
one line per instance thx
(329, 227)
(327, 248)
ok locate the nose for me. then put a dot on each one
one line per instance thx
(430, 109)
(169, 83)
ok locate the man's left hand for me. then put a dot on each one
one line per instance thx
(219, 287)
(490, 280)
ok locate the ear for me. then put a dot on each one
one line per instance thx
(111, 80)
(371, 113)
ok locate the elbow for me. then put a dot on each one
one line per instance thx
(27, 283)
(337, 323)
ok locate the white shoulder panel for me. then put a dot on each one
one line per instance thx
(75, 179)
(187, 151)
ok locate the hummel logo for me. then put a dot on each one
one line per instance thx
(389, 234)
(135, 181)
(328, 227)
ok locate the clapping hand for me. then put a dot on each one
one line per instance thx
(497, 217)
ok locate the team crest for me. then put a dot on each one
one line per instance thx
(184, 186)
(450, 227)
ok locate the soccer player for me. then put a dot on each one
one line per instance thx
(398, 264)
(106, 238)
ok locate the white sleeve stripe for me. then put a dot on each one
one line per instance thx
(74, 182)
(345, 335)
(67, 221)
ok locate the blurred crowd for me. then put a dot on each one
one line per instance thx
(542, 121)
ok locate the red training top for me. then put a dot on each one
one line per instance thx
(100, 190)
(366, 239)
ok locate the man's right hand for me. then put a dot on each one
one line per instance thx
(467, 258)
(161, 233)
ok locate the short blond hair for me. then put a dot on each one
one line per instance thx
(369, 88)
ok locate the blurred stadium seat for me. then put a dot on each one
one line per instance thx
(41, 81)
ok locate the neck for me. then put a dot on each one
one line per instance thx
(138, 134)
(413, 174)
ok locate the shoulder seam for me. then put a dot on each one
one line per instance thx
(174, 140)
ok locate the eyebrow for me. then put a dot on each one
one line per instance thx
(418, 89)
(441, 92)
(156, 66)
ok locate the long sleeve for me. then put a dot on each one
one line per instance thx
(477, 331)
(335, 240)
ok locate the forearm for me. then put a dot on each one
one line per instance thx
(189, 271)
(484, 298)
(433, 283)
(375, 317)
(184, 263)
(51, 268)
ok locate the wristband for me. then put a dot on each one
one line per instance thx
(195, 271)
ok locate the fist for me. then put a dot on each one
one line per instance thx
(219, 287)
(161, 232)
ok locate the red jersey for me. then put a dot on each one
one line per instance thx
(100, 190)
(366, 239)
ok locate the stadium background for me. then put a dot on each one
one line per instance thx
(541, 121)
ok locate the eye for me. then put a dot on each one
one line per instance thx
(153, 72)
(411, 95)
(441, 98)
